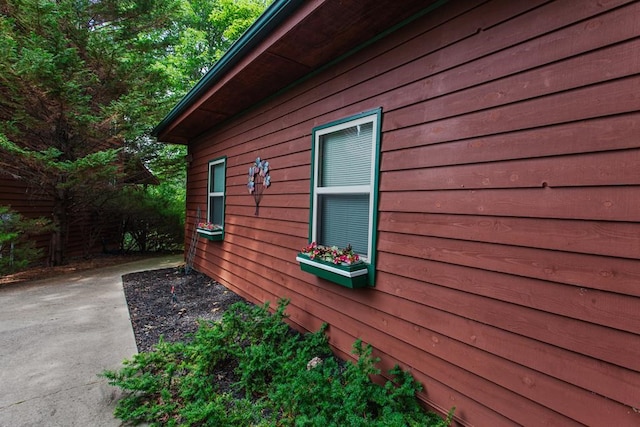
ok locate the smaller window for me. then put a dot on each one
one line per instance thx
(215, 202)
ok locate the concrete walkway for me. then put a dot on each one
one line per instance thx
(56, 336)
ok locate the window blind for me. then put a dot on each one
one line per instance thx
(344, 220)
(346, 156)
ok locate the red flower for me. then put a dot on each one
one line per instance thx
(331, 254)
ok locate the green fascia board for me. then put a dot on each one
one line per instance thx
(258, 31)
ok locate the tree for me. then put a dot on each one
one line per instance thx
(16, 248)
(83, 82)
(208, 29)
(77, 78)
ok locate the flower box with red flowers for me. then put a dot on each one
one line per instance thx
(210, 231)
(341, 266)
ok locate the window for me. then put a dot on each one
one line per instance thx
(344, 185)
(215, 201)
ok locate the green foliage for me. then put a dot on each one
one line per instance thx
(90, 174)
(82, 83)
(209, 28)
(151, 218)
(17, 249)
(274, 383)
(77, 83)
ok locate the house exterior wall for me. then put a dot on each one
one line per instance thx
(508, 279)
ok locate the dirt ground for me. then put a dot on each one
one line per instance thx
(169, 303)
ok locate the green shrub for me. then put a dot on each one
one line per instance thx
(150, 220)
(17, 249)
(272, 380)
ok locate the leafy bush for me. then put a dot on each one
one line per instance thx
(17, 249)
(278, 377)
(150, 219)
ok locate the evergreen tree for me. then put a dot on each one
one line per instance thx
(82, 83)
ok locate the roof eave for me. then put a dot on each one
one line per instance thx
(273, 16)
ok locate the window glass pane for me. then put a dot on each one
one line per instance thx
(216, 209)
(344, 220)
(345, 156)
(216, 178)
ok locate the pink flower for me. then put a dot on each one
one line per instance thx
(331, 254)
(209, 226)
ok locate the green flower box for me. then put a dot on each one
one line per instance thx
(348, 275)
(214, 235)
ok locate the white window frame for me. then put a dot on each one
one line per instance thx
(374, 117)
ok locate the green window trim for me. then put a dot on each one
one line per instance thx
(330, 193)
(216, 193)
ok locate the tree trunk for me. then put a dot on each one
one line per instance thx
(59, 236)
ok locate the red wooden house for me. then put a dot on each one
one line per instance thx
(483, 157)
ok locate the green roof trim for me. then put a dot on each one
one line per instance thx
(273, 16)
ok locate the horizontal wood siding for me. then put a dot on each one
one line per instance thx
(509, 222)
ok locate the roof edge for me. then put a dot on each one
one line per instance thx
(262, 27)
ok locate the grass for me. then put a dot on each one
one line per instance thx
(250, 369)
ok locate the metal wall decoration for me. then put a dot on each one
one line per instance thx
(259, 179)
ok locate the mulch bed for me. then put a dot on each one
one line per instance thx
(169, 303)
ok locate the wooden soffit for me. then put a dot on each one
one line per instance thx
(289, 41)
